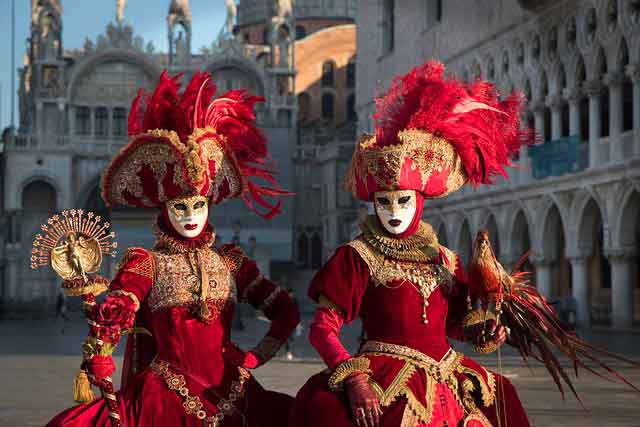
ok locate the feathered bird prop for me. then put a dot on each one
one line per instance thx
(534, 327)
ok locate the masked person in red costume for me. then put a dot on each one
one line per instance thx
(433, 135)
(187, 151)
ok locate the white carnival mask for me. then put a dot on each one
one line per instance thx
(188, 215)
(395, 209)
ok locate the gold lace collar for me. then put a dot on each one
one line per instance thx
(164, 241)
(419, 247)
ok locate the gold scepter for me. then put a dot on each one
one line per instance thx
(73, 244)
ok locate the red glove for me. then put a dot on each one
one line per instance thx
(99, 368)
(236, 357)
(365, 408)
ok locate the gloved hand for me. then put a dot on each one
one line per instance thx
(236, 357)
(99, 367)
(365, 408)
(486, 334)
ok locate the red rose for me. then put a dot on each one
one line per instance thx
(115, 311)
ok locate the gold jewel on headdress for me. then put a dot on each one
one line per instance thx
(73, 244)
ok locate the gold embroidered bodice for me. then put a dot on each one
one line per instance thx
(177, 281)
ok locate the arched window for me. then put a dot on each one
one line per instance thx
(351, 109)
(39, 196)
(328, 106)
(351, 73)
(604, 97)
(301, 32)
(119, 121)
(101, 122)
(581, 76)
(544, 91)
(83, 121)
(304, 107)
(327, 73)
(627, 89)
(564, 110)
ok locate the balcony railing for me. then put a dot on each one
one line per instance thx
(558, 157)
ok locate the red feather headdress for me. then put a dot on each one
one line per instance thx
(190, 143)
(434, 134)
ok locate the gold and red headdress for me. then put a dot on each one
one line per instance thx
(434, 134)
(191, 144)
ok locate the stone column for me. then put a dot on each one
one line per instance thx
(109, 123)
(580, 286)
(614, 80)
(525, 169)
(573, 97)
(543, 276)
(13, 264)
(538, 118)
(39, 121)
(72, 121)
(555, 103)
(633, 71)
(622, 300)
(593, 89)
(92, 122)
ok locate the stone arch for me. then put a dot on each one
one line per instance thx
(88, 64)
(591, 244)
(302, 249)
(521, 242)
(39, 200)
(553, 254)
(238, 67)
(304, 107)
(626, 230)
(42, 179)
(316, 251)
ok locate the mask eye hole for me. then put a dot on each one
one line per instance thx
(180, 207)
(198, 205)
(403, 200)
(383, 201)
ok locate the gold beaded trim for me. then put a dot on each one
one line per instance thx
(267, 348)
(346, 369)
(192, 404)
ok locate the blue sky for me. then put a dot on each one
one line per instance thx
(88, 18)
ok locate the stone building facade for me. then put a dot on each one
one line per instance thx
(573, 200)
(73, 119)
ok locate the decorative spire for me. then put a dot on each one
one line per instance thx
(120, 4)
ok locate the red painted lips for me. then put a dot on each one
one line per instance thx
(191, 227)
(395, 222)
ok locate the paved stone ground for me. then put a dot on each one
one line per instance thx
(38, 364)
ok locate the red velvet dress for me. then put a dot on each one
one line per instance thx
(417, 377)
(179, 376)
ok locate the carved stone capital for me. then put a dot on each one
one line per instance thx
(537, 106)
(614, 78)
(592, 87)
(633, 71)
(572, 95)
(621, 254)
(555, 101)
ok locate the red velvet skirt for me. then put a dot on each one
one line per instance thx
(317, 406)
(147, 402)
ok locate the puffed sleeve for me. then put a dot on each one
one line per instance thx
(342, 281)
(135, 276)
(274, 301)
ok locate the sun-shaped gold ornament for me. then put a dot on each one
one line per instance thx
(73, 243)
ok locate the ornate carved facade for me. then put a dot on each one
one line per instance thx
(574, 200)
(73, 118)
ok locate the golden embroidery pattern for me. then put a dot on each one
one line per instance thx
(192, 404)
(345, 369)
(145, 267)
(420, 247)
(267, 348)
(428, 154)
(178, 285)
(234, 257)
(423, 276)
(164, 242)
(437, 372)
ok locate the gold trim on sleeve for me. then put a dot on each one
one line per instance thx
(346, 369)
(267, 348)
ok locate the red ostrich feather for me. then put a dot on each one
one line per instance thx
(484, 131)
